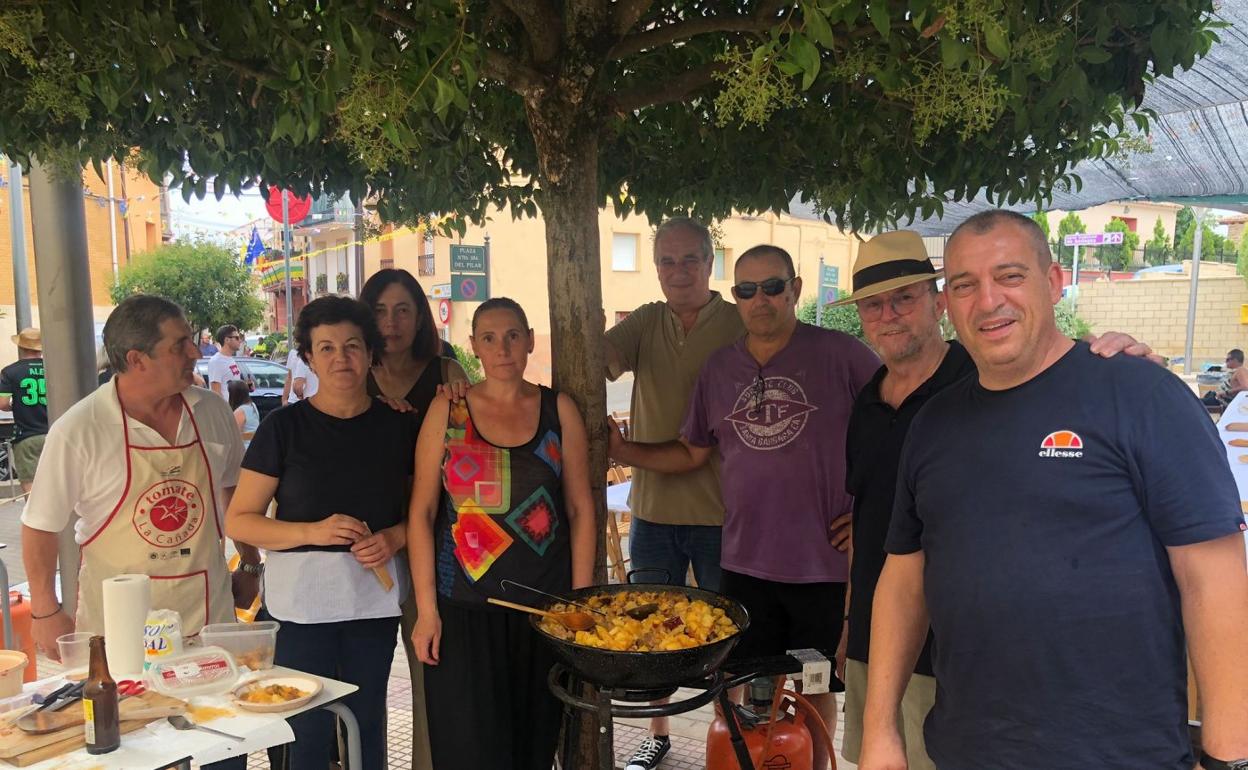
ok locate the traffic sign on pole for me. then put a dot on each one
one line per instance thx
(468, 259)
(1092, 239)
(469, 288)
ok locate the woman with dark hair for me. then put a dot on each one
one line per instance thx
(245, 412)
(339, 465)
(412, 365)
(502, 478)
(410, 369)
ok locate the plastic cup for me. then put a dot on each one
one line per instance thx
(12, 666)
(75, 653)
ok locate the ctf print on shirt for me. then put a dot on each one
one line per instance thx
(770, 413)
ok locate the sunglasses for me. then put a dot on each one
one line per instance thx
(771, 287)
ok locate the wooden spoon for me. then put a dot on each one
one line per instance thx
(573, 621)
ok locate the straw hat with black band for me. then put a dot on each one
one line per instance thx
(889, 261)
(28, 339)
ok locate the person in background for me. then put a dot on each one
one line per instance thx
(502, 492)
(245, 412)
(206, 348)
(24, 391)
(339, 465)
(1235, 381)
(147, 434)
(300, 382)
(410, 370)
(222, 368)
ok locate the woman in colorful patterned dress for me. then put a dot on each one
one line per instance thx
(502, 492)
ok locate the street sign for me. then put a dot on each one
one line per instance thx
(829, 282)
(440, 291)
(1092, 239)
(469, 288)
(444, 311)
(296, 208)
(468, 259)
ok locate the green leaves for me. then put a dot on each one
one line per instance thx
(877, 11)
(208, 281)
(997, 39)
(875, 110)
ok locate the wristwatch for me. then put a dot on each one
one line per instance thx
(1209, 763)
(251, 569)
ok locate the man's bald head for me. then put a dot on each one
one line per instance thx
(987, 221)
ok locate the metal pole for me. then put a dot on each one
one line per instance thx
(359, 249)
(487, 265)
(17, 227)
(65, 315)
(1074, 280)
(1199, 221)
(819, 295)
(112, 220)
(286, 236)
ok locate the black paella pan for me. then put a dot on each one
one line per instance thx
(645, 670)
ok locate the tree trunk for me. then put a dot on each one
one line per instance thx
(566, 136)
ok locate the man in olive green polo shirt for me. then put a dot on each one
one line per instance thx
(676, 517)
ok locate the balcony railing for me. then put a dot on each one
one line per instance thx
(424, 264)
(329, 209)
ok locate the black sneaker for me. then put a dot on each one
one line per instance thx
(650, 753)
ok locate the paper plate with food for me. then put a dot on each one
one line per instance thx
(276, 693)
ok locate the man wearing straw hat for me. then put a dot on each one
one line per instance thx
(1065, 521)
(24, 392)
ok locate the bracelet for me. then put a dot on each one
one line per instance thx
(50, 614)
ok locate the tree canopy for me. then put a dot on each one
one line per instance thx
(208, 281)
(875, 110)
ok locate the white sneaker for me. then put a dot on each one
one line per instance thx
(650, 753)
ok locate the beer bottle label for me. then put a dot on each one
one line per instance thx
(88, 715)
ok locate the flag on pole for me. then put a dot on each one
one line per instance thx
(255, 248)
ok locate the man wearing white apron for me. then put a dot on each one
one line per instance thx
(148, 462)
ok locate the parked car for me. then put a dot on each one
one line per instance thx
(268, 380)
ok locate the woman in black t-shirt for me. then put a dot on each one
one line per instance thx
(339, 466)
(502, 492)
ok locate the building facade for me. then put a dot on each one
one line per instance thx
(518, 265)
(124, 219)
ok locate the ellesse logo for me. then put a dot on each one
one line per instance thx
(1062, 443)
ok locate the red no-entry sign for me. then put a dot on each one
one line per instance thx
(296, 208)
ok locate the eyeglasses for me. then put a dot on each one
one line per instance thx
(872, 308)
(771, 287)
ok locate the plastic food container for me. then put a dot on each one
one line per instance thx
(202, 671)
(251, 644)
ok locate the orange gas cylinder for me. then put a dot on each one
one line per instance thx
(789, 748)
(23, 640)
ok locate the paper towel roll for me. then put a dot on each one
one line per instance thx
(127, 599)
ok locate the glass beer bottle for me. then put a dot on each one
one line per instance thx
(102, 720)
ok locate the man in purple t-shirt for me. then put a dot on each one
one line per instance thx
(776, 405)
